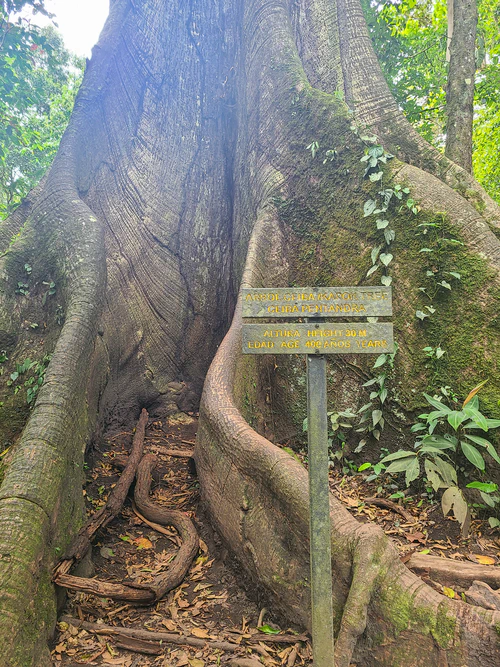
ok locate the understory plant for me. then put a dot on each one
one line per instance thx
(451, 438)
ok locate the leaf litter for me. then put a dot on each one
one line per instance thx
(209, 606)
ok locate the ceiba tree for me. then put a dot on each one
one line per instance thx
(183, 174)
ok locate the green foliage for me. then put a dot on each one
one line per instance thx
(38, 83)
(410, 38)
(450, 449)
(35, 376)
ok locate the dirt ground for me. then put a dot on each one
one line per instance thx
(211, 605)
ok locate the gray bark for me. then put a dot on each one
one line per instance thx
(190, 127)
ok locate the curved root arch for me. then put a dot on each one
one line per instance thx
(257, 497)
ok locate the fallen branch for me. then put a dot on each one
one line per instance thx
(170, 638)
(149, 636)
(452, 573)
(388, 504)
(81, 544)
(179, 453)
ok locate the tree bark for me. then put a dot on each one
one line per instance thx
(184, 169)
(460, 87)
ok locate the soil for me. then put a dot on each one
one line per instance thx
(210, 604)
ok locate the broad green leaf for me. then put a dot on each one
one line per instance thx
(446, 471)
(369, 207)
(453, 499)
(433, 476)
(487, 499)
(386, 280)
(455, 418)
(477, 417)
(386, 258)
(376, 416)
(473, 455)
(382, 224)
(412, 471)
(399, 466)
(372, 270)
(441, 407)
(375, 253)
(494, 522)
(364, 466)
(483, 486)
(484, 443)
(401, 454)
(438, 441)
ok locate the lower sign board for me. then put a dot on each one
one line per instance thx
(316, 338)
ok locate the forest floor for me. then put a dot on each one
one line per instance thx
(211, 604)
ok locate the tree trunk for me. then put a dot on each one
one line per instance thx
(460, 89)
(183, 171)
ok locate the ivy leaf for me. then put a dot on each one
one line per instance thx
(376, 416)
(386, 280)
(372, 270)
(375, 253)
(444, 284)
(376, 177)
(421, 315)
(380, 361)
(382, 224)
(389, 235)
(369, 207)
(386, 258)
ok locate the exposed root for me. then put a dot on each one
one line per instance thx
(179, 520)
(388, 504)
(141, 594)
(452, 573)
(81, 544)
(365, 571)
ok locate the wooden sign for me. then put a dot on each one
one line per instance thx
(299, 302)
(318, 338)
(315, 339)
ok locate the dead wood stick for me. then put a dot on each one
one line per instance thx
(147, 635)
(388, 504)
(449, 572)
(188, 442)
(81, 544)
(166, 637)
(294, 654)
(138, 645)
(154, 526)
(179, 567)
(140, 595)
(180, 453)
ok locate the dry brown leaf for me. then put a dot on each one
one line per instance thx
(483, 560)
(199, 632)
(196, 662)
(170, 625)
(143, 543)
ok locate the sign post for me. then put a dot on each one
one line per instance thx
(315, 339)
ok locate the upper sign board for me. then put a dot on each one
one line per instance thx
(298, 302)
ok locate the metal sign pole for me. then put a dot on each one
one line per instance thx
(319, 503)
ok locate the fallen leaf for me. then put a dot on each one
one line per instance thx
(268, 630)
(107, 553)
(195, 662)
(483, 560)
(170, 625)
(449, 592)
(143, 543)
(199, 632)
